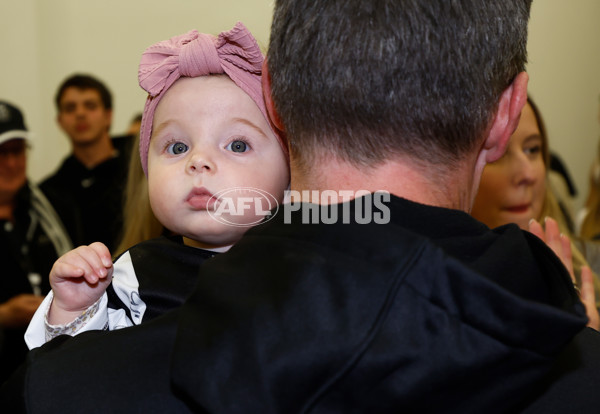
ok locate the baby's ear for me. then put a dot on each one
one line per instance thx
(269, 104)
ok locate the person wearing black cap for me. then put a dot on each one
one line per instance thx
(32, 237)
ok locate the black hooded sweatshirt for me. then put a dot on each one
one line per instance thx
(430, 313)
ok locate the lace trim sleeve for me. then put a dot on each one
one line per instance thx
(71, 328)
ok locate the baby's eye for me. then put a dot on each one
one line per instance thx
(238, 146)
(177, 148)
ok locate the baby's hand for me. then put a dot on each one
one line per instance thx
(78, 280)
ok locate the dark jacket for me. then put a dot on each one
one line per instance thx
(27, 253)
(97, 194)
(431, 313)
(418, 315)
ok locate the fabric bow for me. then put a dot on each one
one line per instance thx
(197, 54)
(234, 52)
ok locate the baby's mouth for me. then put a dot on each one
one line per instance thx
(200, 198)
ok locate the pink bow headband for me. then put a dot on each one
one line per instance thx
(193, 54)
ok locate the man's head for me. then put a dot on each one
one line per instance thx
(367, 81)
(84, 107)
(13, 144)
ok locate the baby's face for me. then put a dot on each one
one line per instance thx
(209, 136)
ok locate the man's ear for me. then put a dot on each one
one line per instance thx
(512, 101)
(269, 104)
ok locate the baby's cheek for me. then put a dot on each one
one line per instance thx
(161, 198)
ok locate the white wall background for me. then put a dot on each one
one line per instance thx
(43, 41)
(564, 70)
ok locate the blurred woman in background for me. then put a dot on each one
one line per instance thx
(516, 189)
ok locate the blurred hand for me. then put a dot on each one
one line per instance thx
(18, 310)
(561, 246)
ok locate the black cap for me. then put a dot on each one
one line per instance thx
(12, 125)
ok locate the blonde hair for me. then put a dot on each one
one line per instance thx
(139, 221)
(590, 227)
(552, 209)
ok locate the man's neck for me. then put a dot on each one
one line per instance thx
(429, 185)
(94, 153)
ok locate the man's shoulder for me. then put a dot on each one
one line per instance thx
(58, 189)
(65, 172)
(124, 144)
(338, 299)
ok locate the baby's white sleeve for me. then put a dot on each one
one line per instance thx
(36, 334)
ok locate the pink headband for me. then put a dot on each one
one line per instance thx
(193, 54)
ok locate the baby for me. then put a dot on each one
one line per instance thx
(206, 145)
